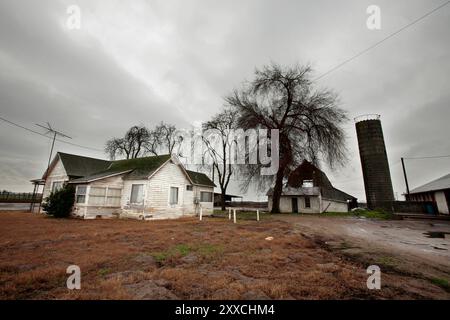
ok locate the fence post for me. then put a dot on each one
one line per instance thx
(257, 215)
(234, 215)
(201, 213)
(229, 213)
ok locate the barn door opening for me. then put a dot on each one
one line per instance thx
(294, 205)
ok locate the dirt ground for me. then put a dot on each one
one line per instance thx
(419, 248)
(209, 259)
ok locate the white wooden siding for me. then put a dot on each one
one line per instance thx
(170, 175)
(156, 194)
(317, 205)
(57, 173)
(91, 211)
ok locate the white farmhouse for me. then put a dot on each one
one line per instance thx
(157, 187)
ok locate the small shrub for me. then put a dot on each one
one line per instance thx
(59, 203)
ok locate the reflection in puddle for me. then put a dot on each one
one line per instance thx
(436, 234)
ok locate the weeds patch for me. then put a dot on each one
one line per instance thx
(182, 250)
(443, 283)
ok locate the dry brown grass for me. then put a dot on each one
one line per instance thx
(186, 259)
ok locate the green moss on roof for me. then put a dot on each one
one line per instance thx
(200, 178)
(78, 166)
(136, 169)
(142, 167)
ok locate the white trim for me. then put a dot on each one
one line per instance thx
(174, 205)
(212, 196)
(159, 168)
(180, 164)
(143, 195)
(85, 196)
(99, 178)
(52, 166)
(55, 181)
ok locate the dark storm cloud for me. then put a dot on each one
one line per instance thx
(147, 61)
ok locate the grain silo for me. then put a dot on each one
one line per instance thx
(374, 162)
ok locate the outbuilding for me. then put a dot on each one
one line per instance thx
(308, 190)
(436, 191)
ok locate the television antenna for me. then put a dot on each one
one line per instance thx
(55, 133)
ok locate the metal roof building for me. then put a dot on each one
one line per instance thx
(437, 191)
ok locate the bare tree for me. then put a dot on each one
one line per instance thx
(167, 136)
(219, 142)
(131, 145)
(153, 144)
(163, 139)
(309, 121)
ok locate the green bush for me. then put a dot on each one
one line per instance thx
(59, 203)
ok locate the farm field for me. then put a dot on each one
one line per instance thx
(209, 259)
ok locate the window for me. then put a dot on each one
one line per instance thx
(308, 183)
(307, 202)
(80, 195)
(97, 196)
(189, 187)
(137, 193)
(205, 196)
(113, 197)
(173, 195)
(57, 185)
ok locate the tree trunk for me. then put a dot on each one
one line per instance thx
(278, 188)
(222, 200)
(285, 160)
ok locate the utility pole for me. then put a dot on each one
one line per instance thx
(55, 133)
(406, 178)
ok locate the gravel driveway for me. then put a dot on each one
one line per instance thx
(409, 245)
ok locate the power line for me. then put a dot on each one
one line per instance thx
(381, 41)
(43, 135)
(428, 157)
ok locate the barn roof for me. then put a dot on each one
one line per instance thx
(291, 191)
(307, 171)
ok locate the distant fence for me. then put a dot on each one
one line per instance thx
(19, 197)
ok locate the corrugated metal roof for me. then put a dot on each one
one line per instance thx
(438, 184)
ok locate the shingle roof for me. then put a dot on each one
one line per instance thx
(438, 184)
(200, 178)
(135, 169)
(336, 194)
(142, 167)
(308, 171)
(79, 166)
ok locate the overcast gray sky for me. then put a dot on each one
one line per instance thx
(141, 61)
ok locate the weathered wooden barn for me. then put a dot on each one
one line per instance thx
(308, 190)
